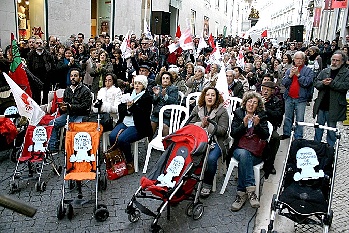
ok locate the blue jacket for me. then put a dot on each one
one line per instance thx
(305, 80)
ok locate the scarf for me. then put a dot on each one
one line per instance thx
(134, 96)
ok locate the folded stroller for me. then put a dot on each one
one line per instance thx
(306, 186)
(81, 166)
(179, 171)
(34, 154)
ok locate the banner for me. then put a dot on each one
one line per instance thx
(317, 17)
(328, 5)
(25, 104)
(339, 4)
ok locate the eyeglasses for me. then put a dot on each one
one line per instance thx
(252, 102)
(38, 42)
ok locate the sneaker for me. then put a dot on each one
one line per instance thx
(252, 196)
(283, 137)
(205, 192)
(130, 168)
(239, 202)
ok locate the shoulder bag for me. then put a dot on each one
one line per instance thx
(251, 142)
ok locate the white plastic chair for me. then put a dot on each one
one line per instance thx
(181, 97)
(194, 95)
(256, 169)
(135, 152)
(233, 103)
(176, 122)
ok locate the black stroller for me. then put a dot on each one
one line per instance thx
(178, 172)
(305, 189)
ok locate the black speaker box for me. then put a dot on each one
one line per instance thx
(296, 33)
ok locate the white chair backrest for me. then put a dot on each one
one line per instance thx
(177, 120)
(181, 97)
(233, 103)
(270, 127)
(195, 96)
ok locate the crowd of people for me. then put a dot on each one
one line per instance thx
(275, 82)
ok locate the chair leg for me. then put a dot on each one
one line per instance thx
(61, 138)
(214, 185)
(227, 176)
(135, 156)
(257, 176)
(147, 158)
(105, 140)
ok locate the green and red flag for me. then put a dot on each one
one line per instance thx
(17, 71)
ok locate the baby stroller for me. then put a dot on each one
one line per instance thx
(305, 190)
(82, 164)
(34, 154)
(12, 132)
(176, 174)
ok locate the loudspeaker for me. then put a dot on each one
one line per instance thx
(296, 33)
(160, 23)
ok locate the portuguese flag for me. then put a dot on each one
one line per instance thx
(17, 71)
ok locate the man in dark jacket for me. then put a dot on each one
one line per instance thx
(274, 110)
(333, 84)
(235, 87)
(77, 101)
(40, 63)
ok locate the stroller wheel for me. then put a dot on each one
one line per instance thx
(43, 186)
(189, 209)
(198, 210)
(156, 229)
(101, 214)
(99, 206)
(37, 186)
(135, 216)
(70, 212)
(13, 188)
(60, 211)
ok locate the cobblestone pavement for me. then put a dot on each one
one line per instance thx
(217, 216)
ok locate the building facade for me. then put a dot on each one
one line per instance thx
(62, 18)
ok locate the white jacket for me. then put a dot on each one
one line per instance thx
(111, 99)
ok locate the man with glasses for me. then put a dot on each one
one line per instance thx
(333, 84)
(297, 81)
(145, 54)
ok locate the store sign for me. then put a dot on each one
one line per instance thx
(317, 16)
(339, 4)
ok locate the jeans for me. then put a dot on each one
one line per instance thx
(245, 168)
(292, 106)
(322, 118)
(211, 166)
(128, 136)
(59, 122)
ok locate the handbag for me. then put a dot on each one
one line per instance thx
(115, 161)
(251, 142)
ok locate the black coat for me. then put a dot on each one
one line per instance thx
(80, 100)
(275, 111)
(140, 111)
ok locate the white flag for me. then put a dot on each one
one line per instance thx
(186, 41)
(125, 45)
(147, 31)
(222, 84)
(26, 106)
(173, 47)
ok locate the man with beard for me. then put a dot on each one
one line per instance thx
(333, 84)
(77, 101)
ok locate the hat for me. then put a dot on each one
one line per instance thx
(143, 79)
(269, 84)
(145, 66)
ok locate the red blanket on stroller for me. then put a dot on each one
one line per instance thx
(8, 129)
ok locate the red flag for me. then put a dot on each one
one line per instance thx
(17, 72)
(264, 33)
(178, 32)
(211, 41)
(339, 4)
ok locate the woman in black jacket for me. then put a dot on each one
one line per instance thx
(134, 120)
(250, 117)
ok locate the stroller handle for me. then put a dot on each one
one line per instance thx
(16, 205)
(315, 125)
